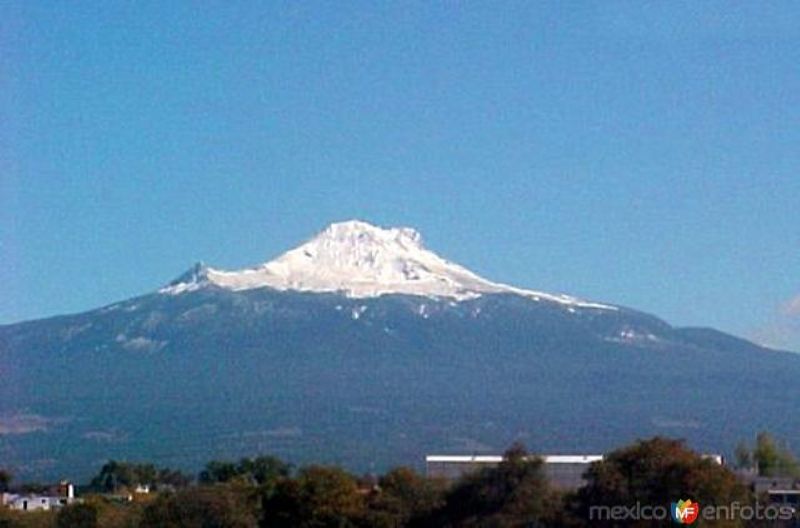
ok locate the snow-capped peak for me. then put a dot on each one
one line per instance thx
(361, 260)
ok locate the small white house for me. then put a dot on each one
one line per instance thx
(142, 489)
(36, 502)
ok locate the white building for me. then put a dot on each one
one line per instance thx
(142, 489)
(37, 502)
(563, 471)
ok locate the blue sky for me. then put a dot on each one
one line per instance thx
(640, 153)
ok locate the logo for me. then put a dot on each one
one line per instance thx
(685, 511)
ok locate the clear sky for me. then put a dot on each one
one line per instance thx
(639, 153)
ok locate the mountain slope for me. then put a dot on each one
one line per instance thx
(360, 260)
(369, 376)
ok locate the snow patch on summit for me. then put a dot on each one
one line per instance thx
(361, 260)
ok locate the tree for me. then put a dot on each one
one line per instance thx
(77, 516)
(653, 473)
(263, 470)
(403, 496)
(319, 496)
(172, 477)
(113, 514)
(200, 507)
(774, 459)
(115, 475)
(5, 480)
(218, 471)
(514, 493)
(743, 456)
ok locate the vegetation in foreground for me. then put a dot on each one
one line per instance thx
(267, 492)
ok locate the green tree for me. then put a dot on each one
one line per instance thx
(113, 514)
(200, 507)
(743, 456)
(774, 459)
(172, 477)
(77, 516)
(264, 470)
(115, 475)
(514, 493)
(403, 497)
(5, 480)
(653, 473)
(261, 470)
(218, 471)
(318, 497)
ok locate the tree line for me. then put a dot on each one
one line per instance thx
(268, 492)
